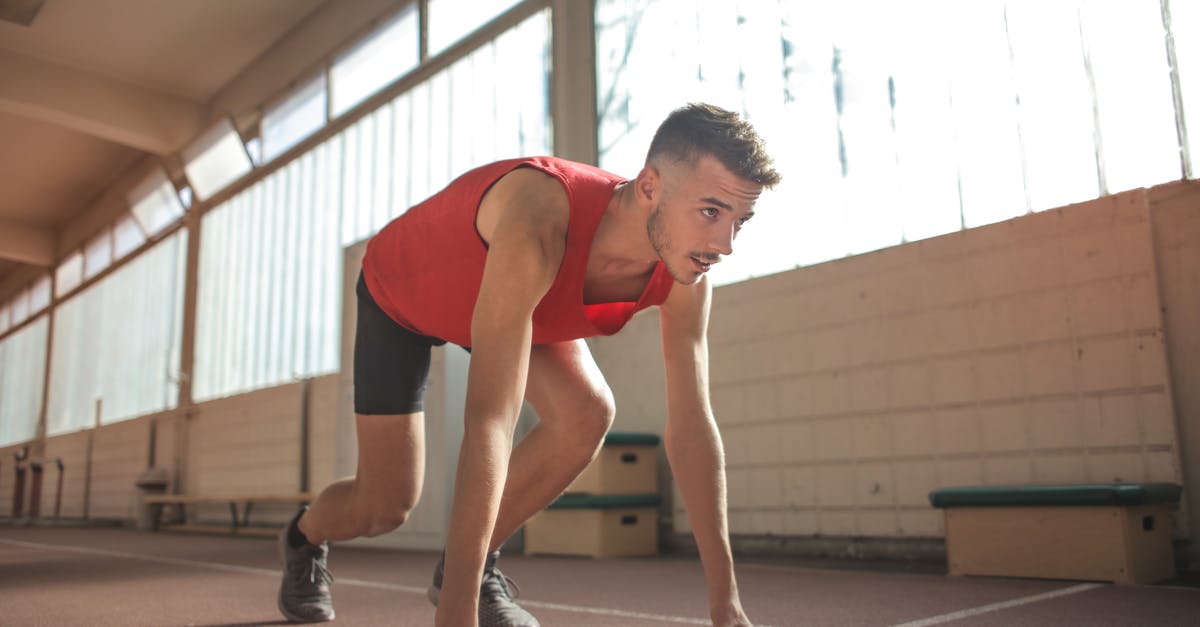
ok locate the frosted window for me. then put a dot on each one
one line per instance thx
(298, 116)
(118, 341)
(451, 20)
(887, 125)
(22, 373)
(20, 307)
(215, 160)
(383, 57)
(1185, 18)
(97, 254)
(69, 274)
(127, 236)
(1138, 135)
(269, 300)
(39, 295)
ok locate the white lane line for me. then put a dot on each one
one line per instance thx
(1003, 605)
(362, 583)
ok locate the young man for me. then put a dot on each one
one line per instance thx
(518, 261)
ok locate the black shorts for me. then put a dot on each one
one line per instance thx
(391, 363)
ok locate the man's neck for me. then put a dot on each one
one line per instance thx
(621, 245)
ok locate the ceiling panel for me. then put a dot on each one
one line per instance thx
(187, 48)
(49, 173)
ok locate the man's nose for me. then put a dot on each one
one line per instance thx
(723, 241)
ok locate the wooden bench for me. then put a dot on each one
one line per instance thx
(240, 520)
(1119, 532)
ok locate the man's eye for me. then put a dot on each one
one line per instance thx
(711, 212)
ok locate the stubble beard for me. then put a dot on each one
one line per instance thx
(661, 242)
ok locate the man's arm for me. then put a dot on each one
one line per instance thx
(523, 218)
(693, 443)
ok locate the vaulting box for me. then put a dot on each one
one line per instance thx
(1097, 532)
(596, 526)
(626, 464)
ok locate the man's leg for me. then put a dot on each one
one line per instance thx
(391, 463)
(391, 367)
(576, 409)
(391, 469)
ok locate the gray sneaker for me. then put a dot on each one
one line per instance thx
(304, 593)
(497, 607)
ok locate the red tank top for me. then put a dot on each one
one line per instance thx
(424, 268)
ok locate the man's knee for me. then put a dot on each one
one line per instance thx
(589, 424)
(384, 515)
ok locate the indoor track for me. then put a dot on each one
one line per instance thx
(112, 576)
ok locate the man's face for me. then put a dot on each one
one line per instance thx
(699, 214)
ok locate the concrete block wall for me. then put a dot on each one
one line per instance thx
(120, 452)
(244, 445)
(1030, 351)
(1175, 216)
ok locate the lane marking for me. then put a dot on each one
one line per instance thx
(362, 583)
(1003, 605)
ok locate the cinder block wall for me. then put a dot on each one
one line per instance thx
(1030, 351)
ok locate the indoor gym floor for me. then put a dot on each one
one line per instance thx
(116, 576)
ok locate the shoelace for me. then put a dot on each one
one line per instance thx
(315, 572)
(510, 587)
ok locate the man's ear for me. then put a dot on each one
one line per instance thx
(648, 186)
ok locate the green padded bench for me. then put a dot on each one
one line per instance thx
(1119, 532)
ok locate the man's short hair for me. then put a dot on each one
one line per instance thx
(702, 129)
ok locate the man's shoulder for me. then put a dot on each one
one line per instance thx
(568, 168)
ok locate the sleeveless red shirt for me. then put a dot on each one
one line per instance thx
(424, 268)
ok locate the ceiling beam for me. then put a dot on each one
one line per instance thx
(102, 107)
(24, 243)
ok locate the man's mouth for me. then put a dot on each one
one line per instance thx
(701, 265)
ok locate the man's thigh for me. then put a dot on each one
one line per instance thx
(564, 380)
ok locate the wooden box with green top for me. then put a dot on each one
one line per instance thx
(599, 526)
(627, 464)
(1118, 532)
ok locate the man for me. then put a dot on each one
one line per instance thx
(518, 261)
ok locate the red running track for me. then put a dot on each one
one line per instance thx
(107, 576)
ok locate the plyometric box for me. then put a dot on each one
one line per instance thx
(1094, 532)
(596, 526)
(627, 464)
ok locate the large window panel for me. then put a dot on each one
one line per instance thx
(269, 276)
(297, 116)
(97, 254)
(269, 301)
(68, 274)
(985, 114)
(1057, 123)
(1138, 135)
(22, 371)
(927, 199)
(1185, 18)
(216, 159)
(117, 341)
(385, 56)
(892, 122)
(451, 20)
(39, 295)
(155, 205)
